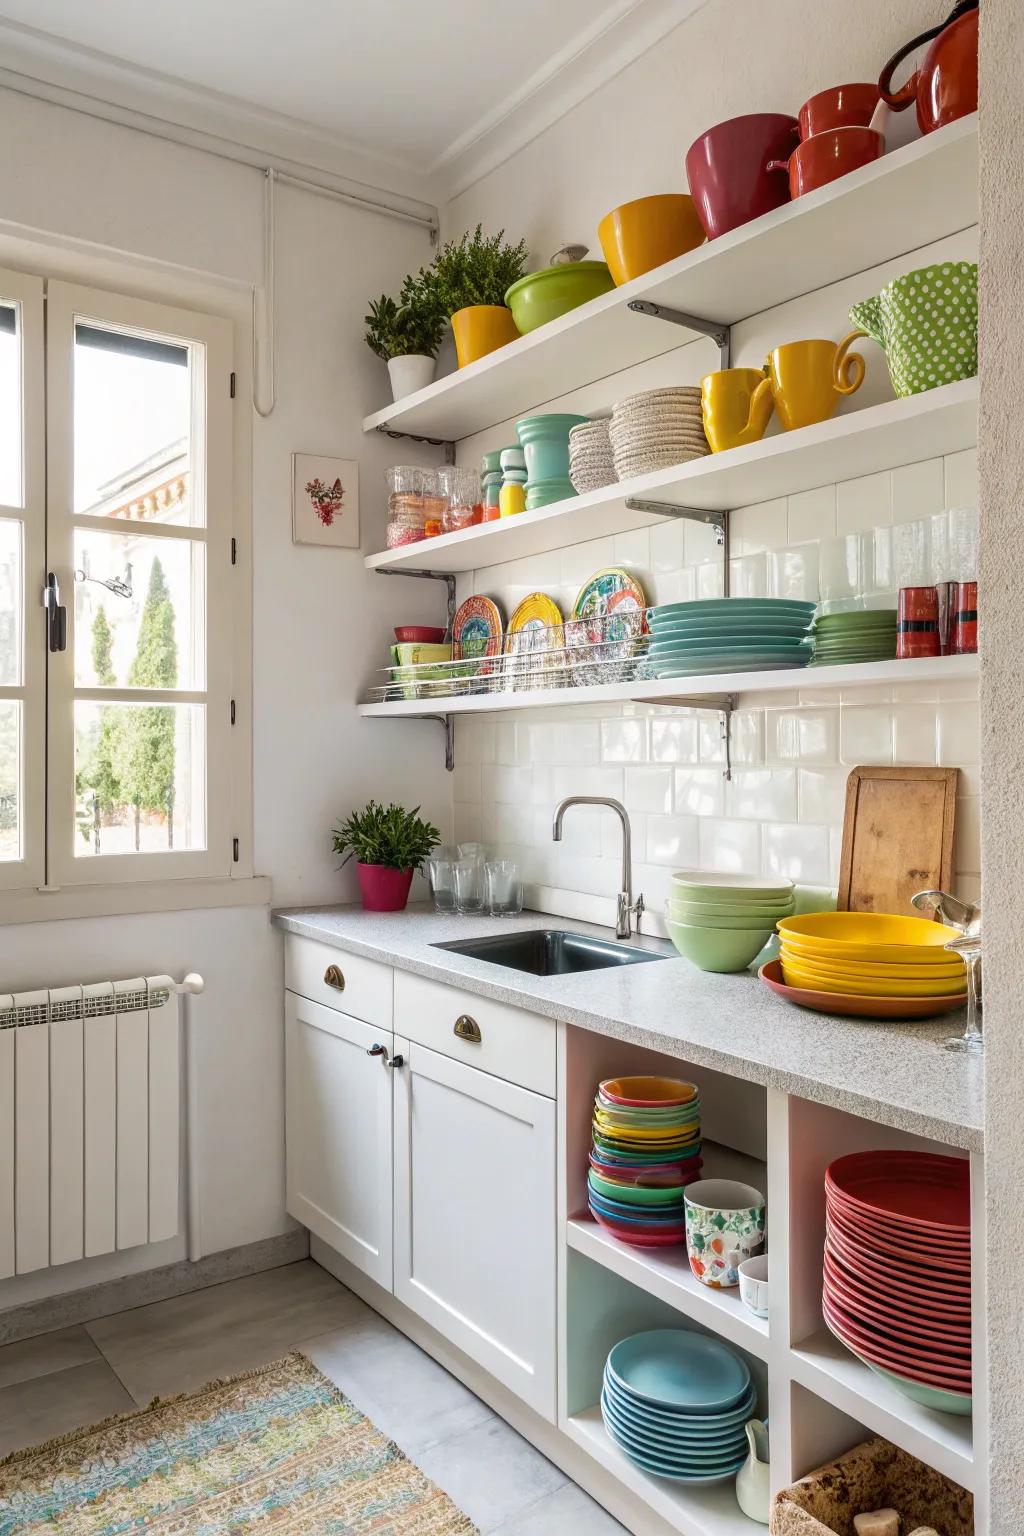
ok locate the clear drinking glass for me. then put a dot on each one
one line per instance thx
(469, 886)
(504, 888)
(441, 872)
(968, 947)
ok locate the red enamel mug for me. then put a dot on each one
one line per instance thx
(727, 169)
(827, 156)
(841, 106)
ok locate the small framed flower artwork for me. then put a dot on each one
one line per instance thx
(325, 501)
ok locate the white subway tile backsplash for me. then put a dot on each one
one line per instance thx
(967, 837)
(466, 782)
(580, 561)
(504, 741)
(865, 735)
(761, 527)
(959, 739)
(822, 795)
(803, 735)
(733, 847)
(667, 546)
(918, 490)
(654, 883)
(812, 515)
(512, 786)
(762, 794)
(793, 573)
(648, 790)
(798, 852)
(962, 478)
(699, 791)
(564, 741)
(712, 738)
(863, 504)
(747, 738)
(748, 576)
(710, 580)
(633, 550)
(914, 734)
(673, 840)
(624, 741)
(675, 739)
(586, 781)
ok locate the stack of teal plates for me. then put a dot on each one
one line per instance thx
(729, 634)
(676, 1403)
(862, 634)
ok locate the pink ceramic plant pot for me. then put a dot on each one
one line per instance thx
(383, 889)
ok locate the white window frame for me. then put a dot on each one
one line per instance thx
(25, 292)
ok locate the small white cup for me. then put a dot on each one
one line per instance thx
(753, 1275)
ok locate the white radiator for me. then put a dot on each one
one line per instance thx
(90, 1120)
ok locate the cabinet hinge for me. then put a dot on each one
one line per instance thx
(234, 850)
(232, 711)
(234, 551)
(232, 386)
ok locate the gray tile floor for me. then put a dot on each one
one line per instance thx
(59, 1381)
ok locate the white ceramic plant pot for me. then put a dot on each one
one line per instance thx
(408, 374)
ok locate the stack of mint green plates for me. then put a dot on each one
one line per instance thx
(862, 634)
(729, 634)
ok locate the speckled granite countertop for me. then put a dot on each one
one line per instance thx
(891, 1073)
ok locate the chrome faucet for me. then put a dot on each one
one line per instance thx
(625, 907)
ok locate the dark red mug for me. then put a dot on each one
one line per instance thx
(917, 622)
(827, 156)
(841, 106)
(963, 619)
(727, 169)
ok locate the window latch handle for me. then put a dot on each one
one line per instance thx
(56, 615)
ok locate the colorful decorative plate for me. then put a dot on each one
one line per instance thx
(536, 625)
(613, 591)
(476, 629)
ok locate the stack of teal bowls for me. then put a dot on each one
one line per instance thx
(545, 442)
(729, 634)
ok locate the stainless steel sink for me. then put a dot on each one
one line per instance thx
(549, 952)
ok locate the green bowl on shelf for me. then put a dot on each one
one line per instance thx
(542, 296)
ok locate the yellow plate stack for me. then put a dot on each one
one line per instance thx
(870, 954)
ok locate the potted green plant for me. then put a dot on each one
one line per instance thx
(406, 332)
(472, 276)
(388, 844)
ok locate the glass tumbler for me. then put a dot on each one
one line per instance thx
(504, 888)
(442, 883)
(469, 886)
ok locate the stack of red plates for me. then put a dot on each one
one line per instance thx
(897, 1288)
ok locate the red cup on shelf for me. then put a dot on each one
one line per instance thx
(827, 156)
(963, 619)
(917, 623)
(841, 106)
(727, 169)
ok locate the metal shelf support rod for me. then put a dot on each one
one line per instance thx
(448, 721)
(720, 334)
(723, 703)
(432, 442)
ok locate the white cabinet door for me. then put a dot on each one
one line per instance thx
(475, 1216)
(339, 1134)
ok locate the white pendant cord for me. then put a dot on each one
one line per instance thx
(263, 307)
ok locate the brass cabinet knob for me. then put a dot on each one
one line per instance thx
(468, 1029)
(335, 977)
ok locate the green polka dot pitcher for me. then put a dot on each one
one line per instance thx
(927, 322)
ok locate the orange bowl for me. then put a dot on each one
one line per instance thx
(853, 1006)
(648, 232)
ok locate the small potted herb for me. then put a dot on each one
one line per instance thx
(472, 276)
(388, 844)
(406, 332)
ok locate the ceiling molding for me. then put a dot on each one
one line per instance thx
(620, 35)
(47, 67)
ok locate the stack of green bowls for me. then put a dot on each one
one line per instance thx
(722, 922)
(861, 634)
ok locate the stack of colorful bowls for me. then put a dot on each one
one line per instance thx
(897, 1286)
(657, 429)
(721, 922)
(862, 634)
(729, 634)
(676, 1403)
(646, 1150)
(871, 955)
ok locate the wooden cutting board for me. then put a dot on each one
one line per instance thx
(897, 837)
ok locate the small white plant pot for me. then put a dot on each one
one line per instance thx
(408, 374)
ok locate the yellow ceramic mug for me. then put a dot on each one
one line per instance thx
(808, 378)
(736, 403)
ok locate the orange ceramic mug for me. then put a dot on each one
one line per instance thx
(808, 379)
(829, 155)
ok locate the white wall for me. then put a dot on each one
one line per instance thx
(92, 198)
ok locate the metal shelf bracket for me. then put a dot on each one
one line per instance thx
(719, 521)
(720, 334)
(416, 437)
(448, 721)
(445, 576)
(723, 703)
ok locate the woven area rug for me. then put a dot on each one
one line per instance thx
(278, 1451)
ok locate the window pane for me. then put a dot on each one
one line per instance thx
(10, 406)
(140, 778)
(140, 611)
(11, 602)
(10, 780)
(132, 427)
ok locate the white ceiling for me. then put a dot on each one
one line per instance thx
(412, 83)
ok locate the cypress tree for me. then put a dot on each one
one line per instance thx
(146, 757)
(97, 778)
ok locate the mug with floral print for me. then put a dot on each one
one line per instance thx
(724, 1226)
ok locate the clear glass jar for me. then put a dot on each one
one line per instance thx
(433, 503)
(405, 505)
(461, 489)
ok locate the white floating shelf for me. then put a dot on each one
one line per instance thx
(860, 442)
(680, 690)
(942, 1440)
(908, 199)
(666, 1274)
(692, 1511)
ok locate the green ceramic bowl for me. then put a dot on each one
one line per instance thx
(553, 291)
(636, 1194)
(718, 949)
(698, 885)
(750, 922)
(695, 911)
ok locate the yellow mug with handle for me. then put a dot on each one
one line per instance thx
(736, 405)
(808, 379)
